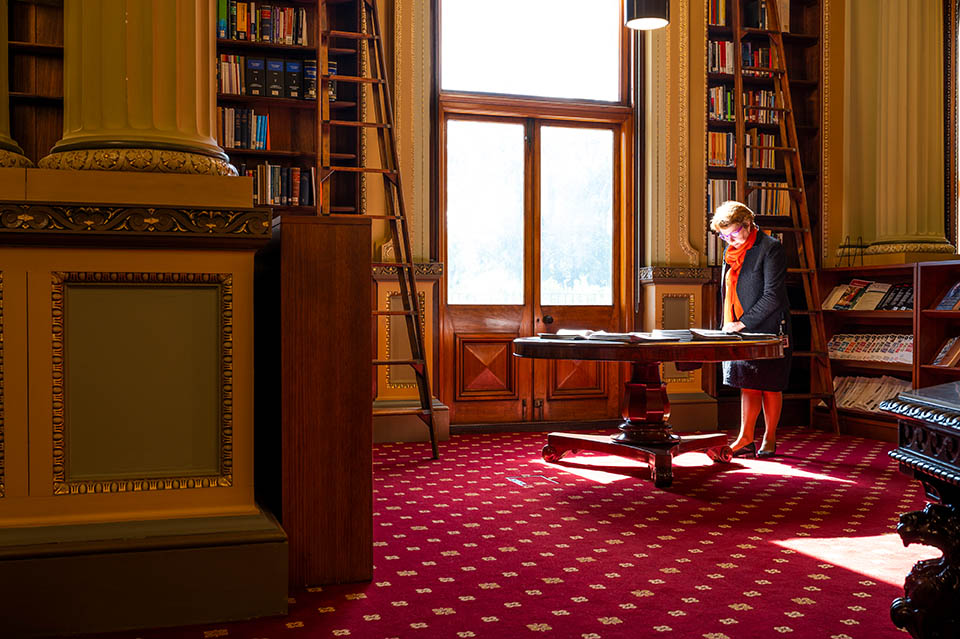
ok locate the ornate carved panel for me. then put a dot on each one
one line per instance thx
(575, 379)
(396, 340)
(62, 484)
(485, 366)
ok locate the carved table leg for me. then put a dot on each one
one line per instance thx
(930, 607)
(645, 407)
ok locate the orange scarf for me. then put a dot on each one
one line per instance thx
(732, 309)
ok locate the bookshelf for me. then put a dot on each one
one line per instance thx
(934, 327)
(804, 66)
(267, 107)
(35, 31)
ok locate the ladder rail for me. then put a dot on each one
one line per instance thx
(821, 378)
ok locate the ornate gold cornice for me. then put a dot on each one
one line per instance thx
(420, 269)
(673, 275)
(883, 248)
(143, 160)
(64, 486)
(128, 220)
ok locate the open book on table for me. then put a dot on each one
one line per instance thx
(603, 336)
(658, 335)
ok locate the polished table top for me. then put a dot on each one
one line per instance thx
(690, 351)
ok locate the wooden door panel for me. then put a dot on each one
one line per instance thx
(572, 379)
(485, 366)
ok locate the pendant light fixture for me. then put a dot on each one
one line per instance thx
(645, 15)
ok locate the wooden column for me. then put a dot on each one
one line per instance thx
(139, 88)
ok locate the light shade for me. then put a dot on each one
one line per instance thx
(646, 14)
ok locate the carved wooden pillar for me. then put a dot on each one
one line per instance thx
(139, 88)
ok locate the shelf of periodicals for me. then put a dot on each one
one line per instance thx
(267, 99)
(801, 22)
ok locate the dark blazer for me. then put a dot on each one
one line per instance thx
(761, 286)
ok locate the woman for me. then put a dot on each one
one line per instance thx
(754, 298)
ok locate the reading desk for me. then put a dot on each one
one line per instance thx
(645, 433)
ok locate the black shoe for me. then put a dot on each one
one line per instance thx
(750, 450)
(764, 454)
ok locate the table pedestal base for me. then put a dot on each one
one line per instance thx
(658, 456)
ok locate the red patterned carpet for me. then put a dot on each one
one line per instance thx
(491, 542)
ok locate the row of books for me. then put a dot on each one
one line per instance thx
(865, 295)
(866, 393)
(951, 299)
(872, 347)
(720, 58)
(770, 198)
(720, 103)
(243, 75)
(760, 158)
(276, 185)
(721, 148)
(765, 99)
(242, 129)
(949, 353)
(262, 22)
(755, 14)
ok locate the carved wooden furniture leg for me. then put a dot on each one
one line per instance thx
(644, 433)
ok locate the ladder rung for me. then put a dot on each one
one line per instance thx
(755, 186)
(393, 312)
(775, 148)
(374, 125)
(787, 229)
(384, 217)
(396, 362)
(769, 32)
(379, 412)
(764, 70)
(396, 264)
(351, 78)
(360, 169)
(766, 108)
(351, 35)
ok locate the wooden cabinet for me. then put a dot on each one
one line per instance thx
(314, 442)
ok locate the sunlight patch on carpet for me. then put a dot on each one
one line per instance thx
(880, 557)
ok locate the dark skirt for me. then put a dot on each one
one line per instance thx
(759, 374)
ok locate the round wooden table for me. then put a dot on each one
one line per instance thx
(645, 433)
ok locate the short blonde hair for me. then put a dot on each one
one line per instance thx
(730, 213)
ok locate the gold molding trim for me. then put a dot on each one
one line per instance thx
(909, 247)
(224, 282)
(683, 376)
(12, 160)
(422, 299)
(17, 217)
(142, 160)
(825, 110)
(3, 492)
(420, 269)
(683, 156)
(655, 274)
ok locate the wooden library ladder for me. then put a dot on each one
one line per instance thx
(821, 379)
(394, 211)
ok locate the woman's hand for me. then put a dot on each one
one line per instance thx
(733, 327)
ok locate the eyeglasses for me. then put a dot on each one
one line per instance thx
(727, 236)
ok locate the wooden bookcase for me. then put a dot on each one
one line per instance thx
(36, 74)
(293, 122)
(340, 144)
(933, 327)
(804, 66)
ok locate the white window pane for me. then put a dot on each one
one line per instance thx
(576, 216)
(484, 213)
(543, 48)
